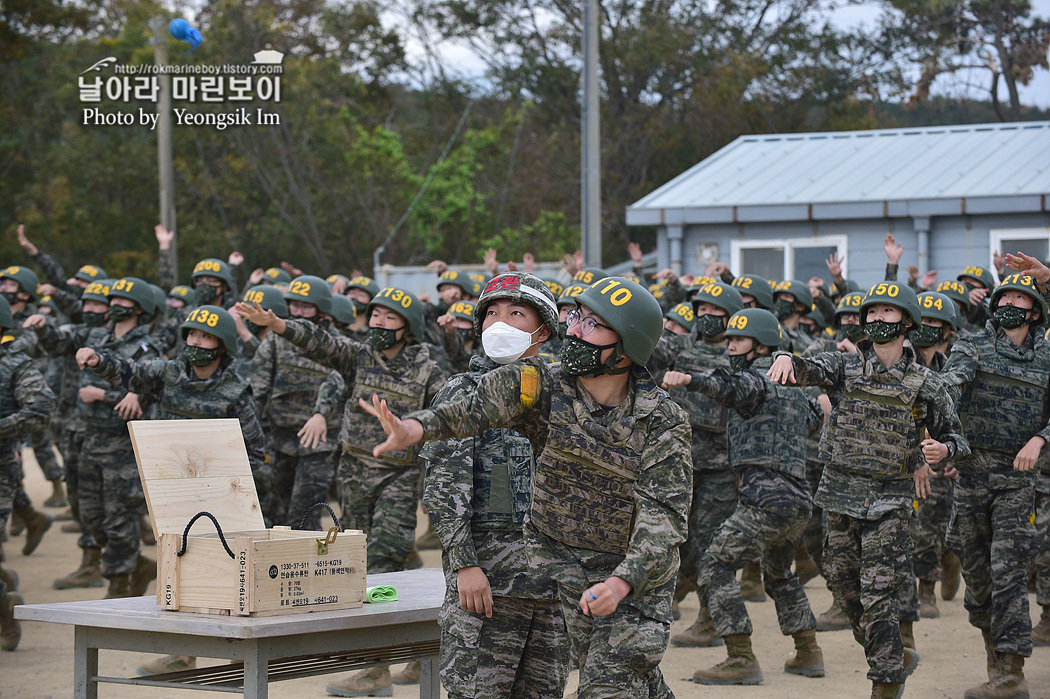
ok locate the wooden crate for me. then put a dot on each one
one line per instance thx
(192, 466)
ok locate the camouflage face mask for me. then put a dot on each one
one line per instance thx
(710, 326)
(926, 336)
(384, 338)
(206, 293)
(880, 332)
(199, 356)
(581, 358)
(853, 333)
(1011, 317)
(783, 308)
(739, 362)
(94, 320)
(120, 313)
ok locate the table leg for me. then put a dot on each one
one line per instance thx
(85, 666)
(429, 680)
(256, 672)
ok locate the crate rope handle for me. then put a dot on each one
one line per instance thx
(209, 515)
(325, 505)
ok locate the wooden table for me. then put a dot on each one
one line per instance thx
(262, 648)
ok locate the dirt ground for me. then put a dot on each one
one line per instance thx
(951, 650)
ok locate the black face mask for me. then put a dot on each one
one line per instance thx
(206, 293)
(926, 336)
(77, 291)
(120, 313)
(1011, 317)
(199, 356)
(880, 332)
(384, 338)
(93, 319)
(784, 309)
(710, 326)
(853, 333)
(465, 334)
(11, 296)
(581, 358)
(739, 362)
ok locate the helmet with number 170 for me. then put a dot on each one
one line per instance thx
(758, 324)
(758, 288)
(312, 290)
(405, 304)
(630, 310)
(523, 288)
(1019, 283)
(214, 321)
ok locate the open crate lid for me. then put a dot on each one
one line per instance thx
(189, 466)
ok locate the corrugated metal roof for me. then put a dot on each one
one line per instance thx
(922, 171)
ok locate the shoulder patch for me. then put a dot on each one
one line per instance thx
(530, 385)
(6, 338)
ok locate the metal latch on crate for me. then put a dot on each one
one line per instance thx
(322, 544)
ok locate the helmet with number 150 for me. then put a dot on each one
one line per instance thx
(758, 324)
(630, 310)
(214, 321)
(891, 294)
(403, 303)
(312, 290)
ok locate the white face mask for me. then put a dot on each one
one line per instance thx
(504, 343)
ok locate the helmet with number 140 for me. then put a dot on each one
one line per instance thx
(403, 303)
(630, 310)
(312, 290)
(214, 321)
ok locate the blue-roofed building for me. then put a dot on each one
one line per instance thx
(778, 205)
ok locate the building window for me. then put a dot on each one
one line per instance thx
(1030, 241)
(787, 258)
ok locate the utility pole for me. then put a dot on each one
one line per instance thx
(165, 164)
(591, 161)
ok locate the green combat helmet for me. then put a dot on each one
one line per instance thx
(98, 291)
(457, 278)
(631, 311)
(462, 310)
(718, 294)
(797, 289)
(211, 267)
(333, 278)
(366, 284)
(980, 274)
(343, 311)
(404, 304)
(182, 293)
(589, 275)
(90, 273)
(160, 299)
(312, 290)
(939, 306)
(849, 287)
(850, 303)
(758, 324)
(269, 298)
(1024, 284)
(891, 294)
(137, 290)
(683, 315)
(568, 297)
(699, 281)
(555, 286)
(818, 318)
(956, 291)
(26, 278)
(276, 276)
(757, 287)
(214, 321)
(523, 287)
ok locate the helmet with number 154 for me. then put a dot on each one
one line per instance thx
(630, 310)
(403, 303)
(214, 321)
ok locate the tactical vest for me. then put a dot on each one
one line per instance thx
(583, 494)
(704, 413)
(875, 429)
(775, 436)
(404, 392)
(296, 381)
(10, 362)
(1002, 408)
(192, 400)
(134, 346)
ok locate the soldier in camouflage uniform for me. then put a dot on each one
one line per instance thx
(611, 487)
(755, 291)
(979, 283)
(680, 320)
(792, 300)
(768, 424)
(26, 404)
(285, 382)
(960, 294)
(251, 335)
(1041, 560)
(503, 630)
(458, 338)
(714, 483)
(110, 491)
(871, 446)
(1001, 377)
(377, 495)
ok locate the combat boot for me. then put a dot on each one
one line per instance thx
(751, 583)
(1008, 682)
(145, 572)
(808, 660)
(58, 495)
(17, 525)
(741, 667)
(951, 574)
(990, 654)
(65, 515)
(409, 675)
(89, 574)
(881, 690)
(805, 567)
(429, 541)
(373, 682)
(10, 628)
(1041, 631)
(701, 634)
(72, 527)
(10, 579)
(119, 586)
(833, 620)
(908, 634)
(928, 600)
(36, 524)
(169, 663)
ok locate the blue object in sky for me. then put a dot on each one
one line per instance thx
(181, 30)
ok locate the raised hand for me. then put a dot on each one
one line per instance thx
(401, 433)
(673, 379)
(635, 251)
(894, 250)
(164, 236)
(782, 371)
(30, 249)
(1029, 266)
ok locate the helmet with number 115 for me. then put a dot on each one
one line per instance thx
(892, 294)
(589, 275)
(522, 287)
(405, 304)
(214, 321)
(1024, 284)
(630, 310)
(758, 324)
(312, 290)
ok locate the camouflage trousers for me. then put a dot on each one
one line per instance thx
(714, 499)
(909, 590)
(381, 502)
(10, 483)
(1041, 561)
(931, 528)
(812, 541)
(866, 564)
(44, 450)
(521, 652)
(749, 533)
(297, 483)
(111, 498)
(71, 447)
(992, 533)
